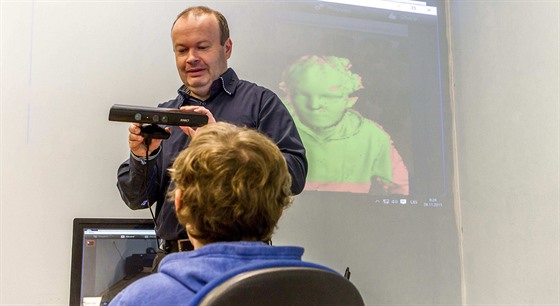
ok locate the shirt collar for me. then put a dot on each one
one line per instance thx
(227, 83)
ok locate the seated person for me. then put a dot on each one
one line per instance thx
(345, 151)
(231, 186)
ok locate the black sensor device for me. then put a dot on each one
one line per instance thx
(156, 115)
(154, 131)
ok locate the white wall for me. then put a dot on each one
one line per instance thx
(506, 67)
(63, 65)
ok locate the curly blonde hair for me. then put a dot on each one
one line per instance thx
(234, 184)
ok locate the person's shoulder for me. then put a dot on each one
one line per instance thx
(177, 101)
(359, 119)
(251, 92)
(253, 86)
(367, 126)
(174, 103)
(248, 90)
(245, 84)
(137, 293)
(154, 289)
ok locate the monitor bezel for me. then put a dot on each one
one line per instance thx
(79, 224)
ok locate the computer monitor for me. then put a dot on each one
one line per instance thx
(107, 255)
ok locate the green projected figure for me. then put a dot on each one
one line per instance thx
(346, 151)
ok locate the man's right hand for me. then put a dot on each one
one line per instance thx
(136, 141)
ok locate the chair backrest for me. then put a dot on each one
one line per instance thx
(283, 285)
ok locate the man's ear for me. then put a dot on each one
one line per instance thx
(178, 194)
(228, 44)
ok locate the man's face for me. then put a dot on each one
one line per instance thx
(318, 99)
(199, 56)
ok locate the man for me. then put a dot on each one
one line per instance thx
(346, 152)
(231, 186)
(202, 46)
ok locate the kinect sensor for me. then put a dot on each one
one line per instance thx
(156, 115)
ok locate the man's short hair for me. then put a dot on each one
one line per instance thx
(234, 182)
(203, 10)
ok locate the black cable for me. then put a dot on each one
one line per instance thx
(147, 142)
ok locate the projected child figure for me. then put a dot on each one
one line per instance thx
(345, 151)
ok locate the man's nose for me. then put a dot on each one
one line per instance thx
(192, 57)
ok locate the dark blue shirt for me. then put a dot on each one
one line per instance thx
(231, 100)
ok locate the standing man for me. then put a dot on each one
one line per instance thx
(202, 46)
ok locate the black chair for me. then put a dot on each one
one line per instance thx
(287, 285)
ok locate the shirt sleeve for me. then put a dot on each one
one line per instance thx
(276, 122)
(133, 177)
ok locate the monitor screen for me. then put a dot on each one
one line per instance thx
(107, 255)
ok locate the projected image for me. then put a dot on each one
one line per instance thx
(346, 151)
(366, 82)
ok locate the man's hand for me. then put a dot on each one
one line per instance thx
(136, 141)
(198, 109)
